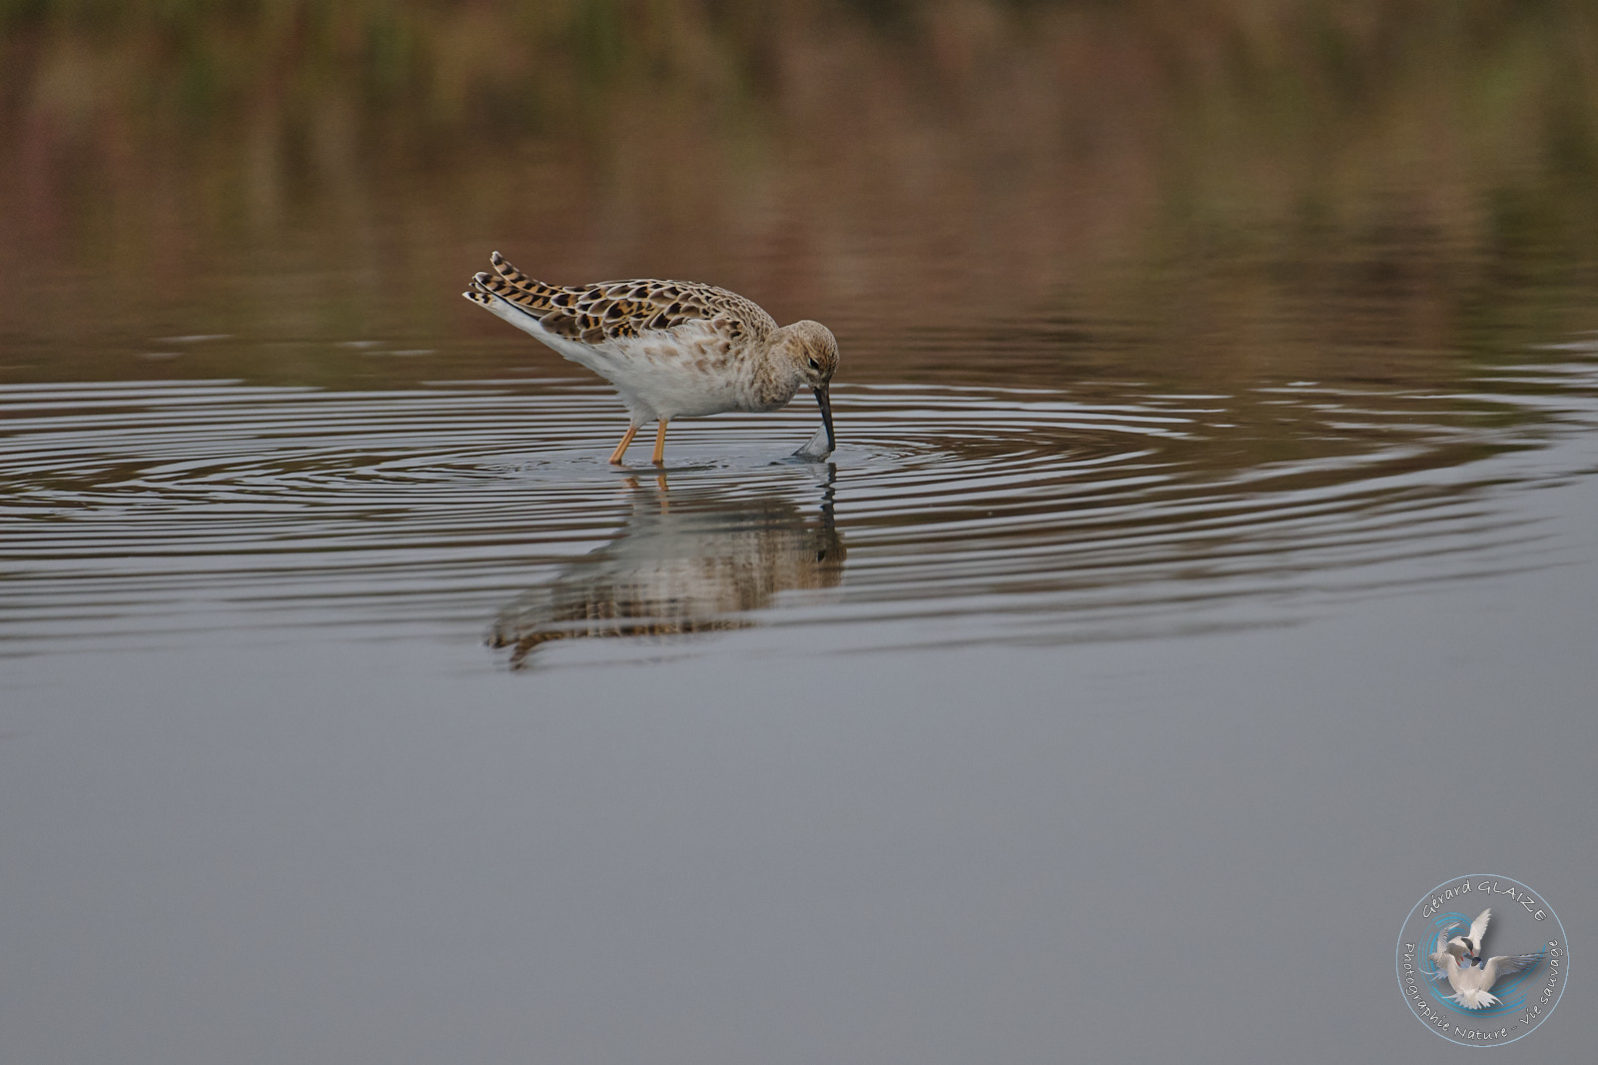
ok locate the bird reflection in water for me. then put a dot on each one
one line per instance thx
(682, 565)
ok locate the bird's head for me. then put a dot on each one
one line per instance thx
(811, 352)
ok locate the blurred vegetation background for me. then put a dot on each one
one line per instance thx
(1199, 171)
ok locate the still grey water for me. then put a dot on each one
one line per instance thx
(1207, 568)
(1029, 720)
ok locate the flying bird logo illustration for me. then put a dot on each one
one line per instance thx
(1459, 960)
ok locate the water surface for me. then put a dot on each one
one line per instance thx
(950, 515)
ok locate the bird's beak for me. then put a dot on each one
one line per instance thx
(824, 401)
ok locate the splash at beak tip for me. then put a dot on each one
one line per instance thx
(814, 450)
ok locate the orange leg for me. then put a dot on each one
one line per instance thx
(660, 444)
(621, 448)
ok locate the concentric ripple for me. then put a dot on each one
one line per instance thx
(133, 514)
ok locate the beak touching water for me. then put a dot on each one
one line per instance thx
(824, 401)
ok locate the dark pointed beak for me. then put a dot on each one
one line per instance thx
(824, 401)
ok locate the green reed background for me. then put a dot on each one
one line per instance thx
(295, 170)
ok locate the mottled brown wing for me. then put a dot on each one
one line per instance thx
(610, 310)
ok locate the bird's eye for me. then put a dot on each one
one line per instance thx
(813, 365)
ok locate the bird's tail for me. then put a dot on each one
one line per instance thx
(513, 285)
(548, 312)
(1475, 999)
(514, 288)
